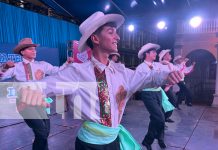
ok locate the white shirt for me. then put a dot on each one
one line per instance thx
(184, 69)
(18, 72)
(169, 65)
(81, 78)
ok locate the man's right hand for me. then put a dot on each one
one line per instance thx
(31, 97)
(175, 77)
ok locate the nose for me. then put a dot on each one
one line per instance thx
(117, 37)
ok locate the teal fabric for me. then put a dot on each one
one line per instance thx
(17, 23)
(95, 133)
(167, 106)
(152, 89)
(49, 101)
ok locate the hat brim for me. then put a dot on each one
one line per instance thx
(141, 52)
(177, 59)
(160, 58)
(18, 48)
(118, 19)
(117, 54)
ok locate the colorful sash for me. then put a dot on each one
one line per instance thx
(95, 133)
(167, 106)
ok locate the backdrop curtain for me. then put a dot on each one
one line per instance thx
(17, 23)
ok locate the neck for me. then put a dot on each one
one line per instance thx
(166, 60)
(29, 59)
(100, 56)
(149, 60)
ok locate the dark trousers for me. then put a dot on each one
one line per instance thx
(172, 100)
(184, 91)
(80, 145)
(152, 101)
(41, 129)
(37, 119)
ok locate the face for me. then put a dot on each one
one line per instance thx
(167, 57)
(29, 53)
(179, 61)
(107, 39)
(151, 56)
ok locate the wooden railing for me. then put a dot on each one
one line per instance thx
(207, 26)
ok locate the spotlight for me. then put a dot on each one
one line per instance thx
(161, 25)
(107, 7)
(195, 21)
(155, 3)
(131, 28)
(133, 3)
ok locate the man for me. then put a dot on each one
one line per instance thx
(115, 57)
(180, 62)
(113, 84)
(165, 58)
(152, 97)
(26, 71)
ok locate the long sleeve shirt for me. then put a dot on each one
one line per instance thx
(158, 68)
(19, 74)
(80, 81)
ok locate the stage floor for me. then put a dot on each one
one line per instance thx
(195, 128)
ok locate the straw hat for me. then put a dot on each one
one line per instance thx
(163, 53)
(92, 23)
(147, 47)
(115, 54)
(24, 43)
(177, 58)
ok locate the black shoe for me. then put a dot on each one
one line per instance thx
(162, 144)
(169, 120)
(189, 104)
(148, 146)
(165, 127)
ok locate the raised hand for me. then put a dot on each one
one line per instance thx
(175, 77)
(8, 64)
(30, 97)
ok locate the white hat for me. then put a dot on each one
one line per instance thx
(92, 23)
(177, 58)
(115, 54)
(163, 53)
(147, 47)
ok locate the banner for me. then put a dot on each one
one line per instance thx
(79, 57)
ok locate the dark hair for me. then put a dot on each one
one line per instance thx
(89, 41)
(148, 51)
(22, 50)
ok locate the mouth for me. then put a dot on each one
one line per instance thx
(115, 43)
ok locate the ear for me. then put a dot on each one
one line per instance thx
(95, 39)
(21, 52)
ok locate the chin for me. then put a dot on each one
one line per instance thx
(115, 50)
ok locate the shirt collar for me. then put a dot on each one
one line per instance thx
(27, 61)
(101, 67)
(148, 63)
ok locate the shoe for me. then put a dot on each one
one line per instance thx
(165, 127)
(189, 104)
(169, 120)
(148, 146)
(162, 144)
